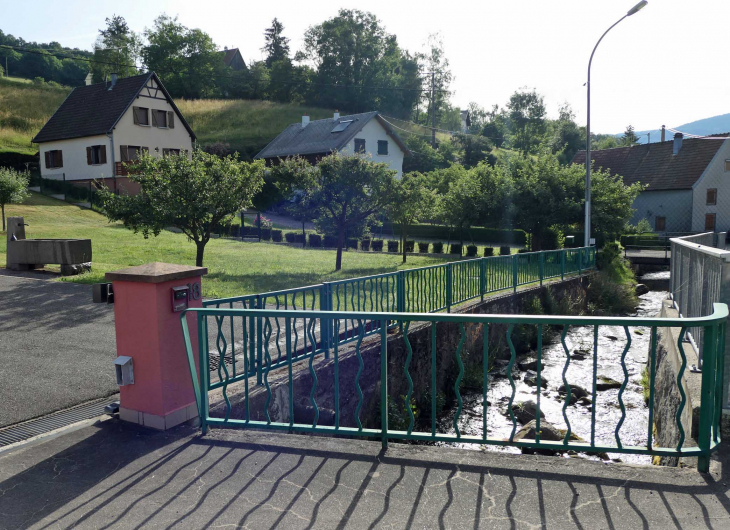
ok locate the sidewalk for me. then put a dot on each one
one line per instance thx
(112, 475)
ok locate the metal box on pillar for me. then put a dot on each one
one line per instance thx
(148, 300)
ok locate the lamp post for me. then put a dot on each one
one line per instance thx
(587, 233)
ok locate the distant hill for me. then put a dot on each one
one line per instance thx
(705, 127)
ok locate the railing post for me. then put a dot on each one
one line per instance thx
(542, 266)
(448, 287)
(707, 401)
(325, 325)
(259, 344)
(401, 292)
(384, 384)
(482, 277)
(515, 265)
(562, 265)
(580, 261)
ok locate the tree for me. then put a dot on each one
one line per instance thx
(116, 50)
(13, 188)
(410, 202)
(348, 192)
(277, 46)
(567, 137)
(611, 202)
(291, 176)
(629, 138)
(195, 195)
(526, 111)
(474, 149)
(460, 206)
(495, 126)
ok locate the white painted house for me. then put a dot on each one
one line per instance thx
(687, 181)
(99, 127)
(365, 133)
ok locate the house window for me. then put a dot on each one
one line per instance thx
(129, 153)
(54, 159)
(141, 116)
(359, 145)
(712, 196)
(159, 119)
(727, 165)
(96, 155)
(382, 147)
(660, 224)
(168, 152)
(710, 222)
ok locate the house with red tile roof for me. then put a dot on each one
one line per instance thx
(687, 181)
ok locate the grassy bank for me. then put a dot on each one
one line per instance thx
(235, 268)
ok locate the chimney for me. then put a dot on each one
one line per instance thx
(114, 81)
(663, 133)
(305, 121)
(337, 115)
(677, 143)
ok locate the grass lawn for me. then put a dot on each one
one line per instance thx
(235, 268)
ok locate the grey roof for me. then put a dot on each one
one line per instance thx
(94, 109)
(318, 138)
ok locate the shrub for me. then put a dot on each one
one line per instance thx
(351, 242)
(365, 244)
(294, 237)
(438, 248)
(456, 249)
(377, 245)
(522, 251)
(410, 245)
(488, 251)
(266, 234)
(392, 246)
(315, 240)
(471, 251)
(276, 236)
(505, 251)
(423, 247)
(329, 242)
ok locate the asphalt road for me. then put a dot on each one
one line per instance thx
(56, 347)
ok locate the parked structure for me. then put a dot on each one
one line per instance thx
(100, 127)
(687, 181)
(233, 59)
(365, 133)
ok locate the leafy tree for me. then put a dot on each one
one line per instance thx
(424, 158)
(526, 111)
(43, 65)
(460, 206)
(434, 60)
(474, 149)
(260, 79)
(291, 175)
(187, 59)
(348, 192)
(118, 45)
(195, 195)
(611, 202)
(410, 202)
(477, 117)
(277, 46)
(567, 138)
(604, 141)
(629, 138)
(495, 126)
(13, 188)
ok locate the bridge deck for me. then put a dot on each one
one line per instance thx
(113, 475)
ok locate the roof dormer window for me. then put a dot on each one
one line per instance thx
(342, 126)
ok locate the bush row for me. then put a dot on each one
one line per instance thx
(429, 231)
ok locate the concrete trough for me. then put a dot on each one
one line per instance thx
(73, 255)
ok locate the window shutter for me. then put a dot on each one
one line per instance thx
(88, 156)
(154, 118)
(102, 154)
(170, 119)
(48, 159)
(60, 158)
(124, 152)
(135, 116)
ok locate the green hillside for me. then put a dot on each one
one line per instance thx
(246, 125)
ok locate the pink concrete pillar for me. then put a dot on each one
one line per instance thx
(149, 331)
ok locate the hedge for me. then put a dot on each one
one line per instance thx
(438, 248)
(315, 240)
(329, 242)
(392, 246)
(351, 243)
(505, 251)
(488, 251)
(423, 247)
(294, 237)
(276, 236)
(410, 246)
(476, 233)
(471, 251)
(377, 245)
(365, 244)
(646, 240)
(266, 234)
(456, 249)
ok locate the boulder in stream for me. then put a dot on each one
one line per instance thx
(530, 379)
(641, 289)
(526, 411)
(576, 393)
(606, 383)
(527, 364)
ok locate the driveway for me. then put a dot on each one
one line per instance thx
(56, 346)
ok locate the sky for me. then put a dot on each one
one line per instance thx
(663, 65)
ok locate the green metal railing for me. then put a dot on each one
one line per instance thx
(302, 324)
(422, 290)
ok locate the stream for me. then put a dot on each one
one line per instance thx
(611, 343)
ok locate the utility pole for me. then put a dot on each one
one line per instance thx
(433, 110)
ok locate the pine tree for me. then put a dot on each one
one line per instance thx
(629, 138)
(277, 46)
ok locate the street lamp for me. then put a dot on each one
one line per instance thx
(587, 234)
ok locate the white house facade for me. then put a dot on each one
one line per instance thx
(366, 133)
(100, 127)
